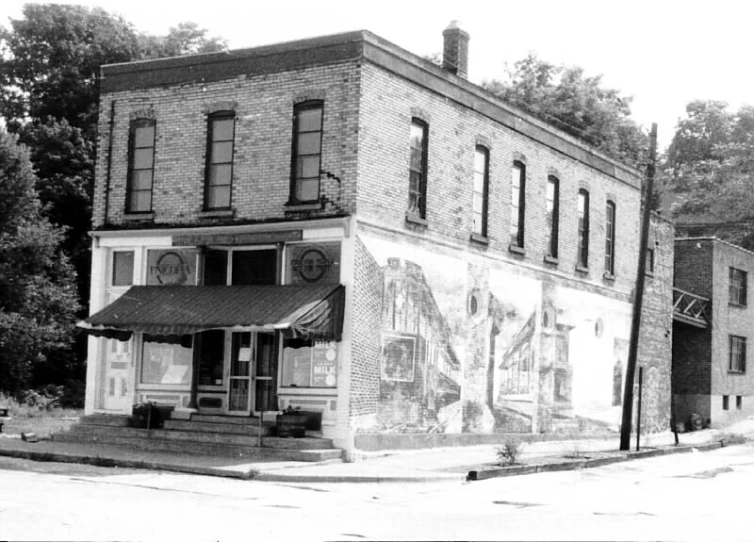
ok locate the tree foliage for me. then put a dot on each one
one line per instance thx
(708, 170)
(37, 291)
(575, 103)
(50, 61)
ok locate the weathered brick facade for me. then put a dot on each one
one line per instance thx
(447, 333)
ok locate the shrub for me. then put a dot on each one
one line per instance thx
(509, 451)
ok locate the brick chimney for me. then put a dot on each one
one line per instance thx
(455, 54)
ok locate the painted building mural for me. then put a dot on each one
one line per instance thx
(475, 346)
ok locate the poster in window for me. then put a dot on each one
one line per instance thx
(324, 364)
(398, 353)
(302, 366)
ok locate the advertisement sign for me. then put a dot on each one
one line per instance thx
(314, 263)
(171, 267)
(324, 364)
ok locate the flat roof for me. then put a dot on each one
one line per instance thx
(360, 46)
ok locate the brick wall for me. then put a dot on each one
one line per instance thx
(262, 155)
(656, 333)
(388, 105)
(366, 349)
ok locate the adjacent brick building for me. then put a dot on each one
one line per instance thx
(488, 260)
(711, 373)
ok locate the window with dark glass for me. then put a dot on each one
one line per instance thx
(140, 166)
(123, 268)
(518, 203)
(417, 184)
(215, 267)
(610, 238)
(481, 191)
(211, 357)
(737, 362)
(583, 229)
(252, 267)
(553, 212)
(650, 267)
(219, 170)
(307, 152)
(737, 286)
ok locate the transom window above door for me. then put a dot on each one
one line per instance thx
(240, 267)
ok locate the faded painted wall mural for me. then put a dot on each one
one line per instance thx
(474, 346)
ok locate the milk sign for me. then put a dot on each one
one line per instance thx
(171, 267)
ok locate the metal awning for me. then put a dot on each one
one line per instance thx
(309, 312)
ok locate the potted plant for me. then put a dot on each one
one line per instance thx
(291, 422)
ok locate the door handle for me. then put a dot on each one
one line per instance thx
(262, 377)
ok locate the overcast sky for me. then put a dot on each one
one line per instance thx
(663, 53)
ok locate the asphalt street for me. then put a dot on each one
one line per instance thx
(696, 496)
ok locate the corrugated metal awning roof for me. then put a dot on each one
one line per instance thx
(300, 311)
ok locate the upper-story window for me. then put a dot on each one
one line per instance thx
(417, 183)
(737, 286)
(737, 354)
(610, 238)
(307, 152)
(219, 169)
(582, 258)
(481, 191)
(518, 203)
(140, 166)
(553, 216)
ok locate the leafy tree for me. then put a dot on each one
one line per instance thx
(184, 39)
(579, 105)
(50, 62)
(708, 171)
(37, 289)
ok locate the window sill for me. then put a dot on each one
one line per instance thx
(139, 216)
(582, 270)
(608, 276)
(219, 213)
(293, 207)
(741, 373)
(479, 238)
(552, 260)
(515, 249)
(737, 305)
(413, 219)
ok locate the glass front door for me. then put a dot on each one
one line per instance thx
(252, 384)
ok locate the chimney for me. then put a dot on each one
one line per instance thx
(455, 54)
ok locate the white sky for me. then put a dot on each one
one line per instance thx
(664, 53)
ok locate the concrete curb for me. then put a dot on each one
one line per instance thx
(586, 463)
(126, 463)
(424, 477)
(357, 479)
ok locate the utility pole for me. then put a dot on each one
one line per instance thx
(633, 345)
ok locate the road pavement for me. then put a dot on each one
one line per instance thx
(693, 496)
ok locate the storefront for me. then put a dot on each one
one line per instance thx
(233, 330)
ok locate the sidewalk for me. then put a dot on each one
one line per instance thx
(433, 465)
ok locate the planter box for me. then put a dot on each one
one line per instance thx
(291, 425)
(154, 416)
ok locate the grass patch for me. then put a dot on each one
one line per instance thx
(37, 418)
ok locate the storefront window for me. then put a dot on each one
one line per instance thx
(212, 358)
(310, 364)
(164, 363)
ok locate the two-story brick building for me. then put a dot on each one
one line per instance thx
(711, 374)
(338, 224)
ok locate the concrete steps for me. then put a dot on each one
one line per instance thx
(202, 435)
